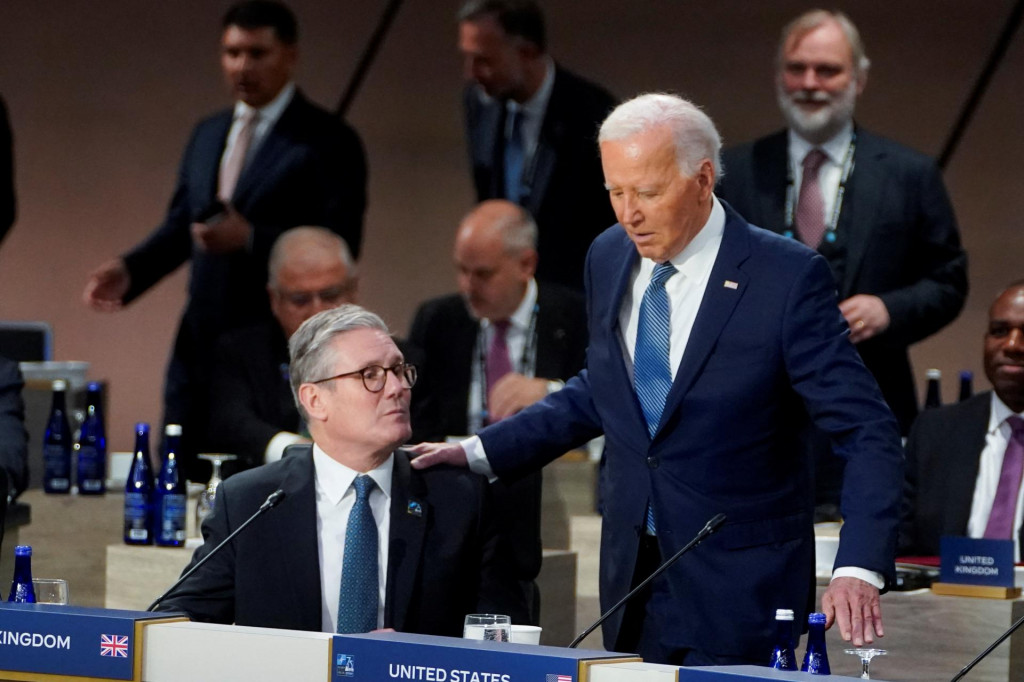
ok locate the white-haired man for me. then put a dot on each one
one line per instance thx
(710, 343)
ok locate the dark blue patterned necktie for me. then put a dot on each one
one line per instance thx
(514, 155)
(652, 376)
(357, 604)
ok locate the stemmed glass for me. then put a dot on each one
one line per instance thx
(206, 498)
(865, 659)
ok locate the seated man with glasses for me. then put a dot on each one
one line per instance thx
(361, 541)
(252, 411)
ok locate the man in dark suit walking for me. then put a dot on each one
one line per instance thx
(252, 412)
(711, 342)
(273, 162)
(503, 343)
(531, 127)
(964, 461)
(361, 541)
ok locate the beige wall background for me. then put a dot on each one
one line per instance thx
(102, 96)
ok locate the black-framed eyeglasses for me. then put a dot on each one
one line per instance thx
(375, 377)
(330, 295)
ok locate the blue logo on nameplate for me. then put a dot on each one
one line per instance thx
(973, 561)
(346, 665)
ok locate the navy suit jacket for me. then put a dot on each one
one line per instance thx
(566, 194)
(897, 239)
(443, 562)
(13, 437)
(943, 455)
(768, 347)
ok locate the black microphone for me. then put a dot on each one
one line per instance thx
(990, 649)
(272, 501)
(710, 527)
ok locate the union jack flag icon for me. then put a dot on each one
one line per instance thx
(114, 645)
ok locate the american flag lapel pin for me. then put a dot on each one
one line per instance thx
(414, 508)
(729, 284)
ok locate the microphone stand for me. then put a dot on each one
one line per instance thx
(709, 528)
(986, 652)
(272, 501)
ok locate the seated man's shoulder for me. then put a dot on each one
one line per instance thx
(441, 308)
(447, 476)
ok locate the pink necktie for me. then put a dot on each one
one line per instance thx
(232, 166)
(498, 362)
(810, 207)
(1000, 521)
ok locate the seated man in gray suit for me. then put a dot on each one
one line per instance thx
(361, 541)
(964, 461)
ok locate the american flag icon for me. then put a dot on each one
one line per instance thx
(558, 678)
(114, 646)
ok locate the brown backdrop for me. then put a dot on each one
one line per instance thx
(102, 96)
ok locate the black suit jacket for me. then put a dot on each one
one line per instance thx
(897, 239)
(444, 336)
(250, 397)
(943, 454)
(566, 193)
(13, 437)
(443, 563)
(310, 169)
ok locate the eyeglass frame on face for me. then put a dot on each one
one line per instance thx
(302, 299)
(401, 371)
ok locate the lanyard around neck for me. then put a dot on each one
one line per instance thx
(837, 206)
(526, 366)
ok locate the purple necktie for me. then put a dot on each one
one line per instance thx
(498, 362)
(1000, 521)
(810, 207)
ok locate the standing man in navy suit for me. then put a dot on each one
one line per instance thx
(531, 127)
(711, 343)
(272, 162)
(876, 210)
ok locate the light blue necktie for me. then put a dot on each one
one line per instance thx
(514, 156)
(652, 376)
(357, 604)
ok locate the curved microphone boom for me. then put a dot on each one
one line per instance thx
(710, 527)
(272, 501)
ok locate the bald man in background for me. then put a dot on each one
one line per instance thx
(253, 414)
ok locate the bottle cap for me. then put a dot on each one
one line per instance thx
(784, 614)
(94, 386)
(966, 374)
(933, 374)
(816, 618)
(173, 429)
(141, 427)
(60, 385)
(23, 550)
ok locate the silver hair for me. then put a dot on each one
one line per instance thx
(693, 131)
(310, 346)
(297, 238)
(812, 19)
(519, 231)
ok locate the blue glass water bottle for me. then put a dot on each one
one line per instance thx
(57, 444)
(91, 448)
(783, 656)
(21, 586)
(816, 657)
(170, 493)
(138, 492)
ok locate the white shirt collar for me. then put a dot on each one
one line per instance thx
(835, 148)
(535, 107)
(272, 110)
(999, 413)
(335, 479)
(696, 259)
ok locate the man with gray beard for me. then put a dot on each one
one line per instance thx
(876, 210)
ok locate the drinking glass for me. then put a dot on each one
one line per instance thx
(865, 659)
(488, 626)
(206, 498)
(51, 591)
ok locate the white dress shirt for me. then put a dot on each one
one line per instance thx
(831, 171)
(335, 497)
(990, 466)
(268, 116)
(532, 112)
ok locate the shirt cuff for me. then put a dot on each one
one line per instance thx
(476, 458)
(275, 448)
(864, 574)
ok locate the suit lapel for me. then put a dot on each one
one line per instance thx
(277, 144)
(865, 195)
(296, 530)
(963, 461)
(410, 516)
(771, 161)
(715, 309)
(208, 174)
